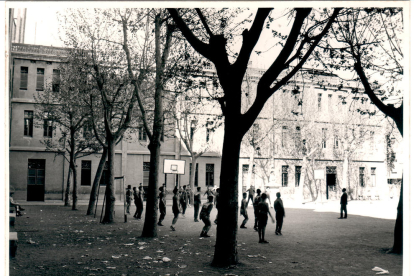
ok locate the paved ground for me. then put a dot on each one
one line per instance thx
(54, 240)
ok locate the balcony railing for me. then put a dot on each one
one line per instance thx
(38, 49)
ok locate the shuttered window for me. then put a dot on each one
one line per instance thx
(47, 128)
(56, 80)
(40, 80)
(28, 123)
(24, 72)
(146, 171)
(209, 175)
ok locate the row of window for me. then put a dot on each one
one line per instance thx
(40, 79)
(87, 166)
(341, 99)
(302, 143)
(28, 125)
(298, 169)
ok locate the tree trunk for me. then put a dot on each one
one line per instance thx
(304, 174)
(151, 211)
(192, 175)
(67, 192)
(75, 188)
(250, 171)
(72, 162)
(150, 226)
(225, 253)
(110, 187)
(398, 229)
(345, 176)
(95, 186)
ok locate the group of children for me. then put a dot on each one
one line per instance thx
(138, 196)
(181, 198)
(261, 212)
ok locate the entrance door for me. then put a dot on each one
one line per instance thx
(330, 180)
(36, 180)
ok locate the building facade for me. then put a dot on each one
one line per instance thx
(39, 175)
(313, 124)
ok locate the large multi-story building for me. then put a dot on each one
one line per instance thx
(37, 175)
(310, 118)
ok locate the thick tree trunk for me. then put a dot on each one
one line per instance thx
(150, 226)
(151, 211)
(398, 229)
(225, 253)
(67, 192)
(110, 187)
(95, 186)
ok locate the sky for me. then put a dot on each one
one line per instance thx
(42, 26)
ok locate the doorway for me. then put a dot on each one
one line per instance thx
(36, 180)
(330, 180)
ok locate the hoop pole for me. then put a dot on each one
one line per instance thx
(123, 188)
(97, 199)
(103, 205)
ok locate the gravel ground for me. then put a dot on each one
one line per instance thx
(54, 240)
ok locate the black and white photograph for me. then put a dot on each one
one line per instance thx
(206, 138)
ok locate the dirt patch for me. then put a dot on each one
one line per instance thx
(54, 240)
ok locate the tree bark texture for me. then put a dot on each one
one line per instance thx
(150, 226)
(110, 187)
(95, 186)
(192, 176)
(67, 192)
(72, 164)
(398, 229)
(225, 253)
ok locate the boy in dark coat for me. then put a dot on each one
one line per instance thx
(263, 211)
(251, 194)
(183, 199)
(175, 208)
(162, 205)
(344, 202)
(128, 198)
(243, 211)
(197, 203)
(256, 202)
(205, 216)
(280, 213)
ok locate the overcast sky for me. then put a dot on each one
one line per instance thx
(42, 26)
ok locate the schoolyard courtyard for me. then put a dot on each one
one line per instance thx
(54, 240)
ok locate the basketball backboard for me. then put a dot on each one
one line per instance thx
(174, 166)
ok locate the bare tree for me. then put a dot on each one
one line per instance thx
(299, 44)
(368, 42)
(61, 112)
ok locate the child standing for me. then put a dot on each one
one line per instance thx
(243, 211)
(162, 205)
(175, 208)
(256, 202)
(139, 202)
(197, 202)
(128, 198)
(183, 199)
(263, 208)
(280, 213)
(205, 216)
